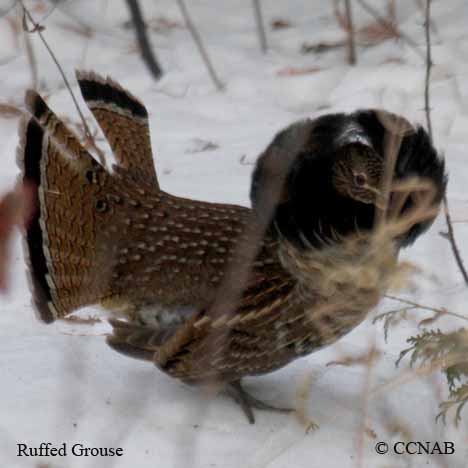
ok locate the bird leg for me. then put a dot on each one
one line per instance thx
(247, 401)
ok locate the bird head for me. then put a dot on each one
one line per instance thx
(326, 176)
(357, 173)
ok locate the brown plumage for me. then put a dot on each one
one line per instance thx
(159, 261)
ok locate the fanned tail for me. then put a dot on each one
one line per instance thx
(72, 239)
(67, 270)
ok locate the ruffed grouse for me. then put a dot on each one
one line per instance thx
(165, 264)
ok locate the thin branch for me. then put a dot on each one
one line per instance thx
(37, 28)
(427, 96)
(260, 25)
(421, 5)
(427, 108)
(453, 243)
(31, 59)
(146, 50)
(197, 38)
(391, 26)
(351, 35)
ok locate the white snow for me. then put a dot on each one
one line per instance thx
(61, 383)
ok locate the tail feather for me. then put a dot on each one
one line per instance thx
(123, 120)
(66, 269)
(34, 241)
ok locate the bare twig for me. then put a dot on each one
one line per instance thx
(427, 108)
(427, 96)
(421, 5)
(453, 243)
(389, 25)
(392, 143)
(197, 38)
(37, 28)
(260, 25)
(31, 58)
(351, 36)
(146, 50)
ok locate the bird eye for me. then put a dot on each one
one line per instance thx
(360, 180)
(101, 206)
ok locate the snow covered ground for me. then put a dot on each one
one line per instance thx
(62, 384)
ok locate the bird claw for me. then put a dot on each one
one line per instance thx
(247, 402)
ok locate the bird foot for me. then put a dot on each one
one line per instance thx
(247, 402)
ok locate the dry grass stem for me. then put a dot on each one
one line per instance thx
(411, 374)
(396, 129)
(439, 312)
(303, 391)
(37, 28)
(366, 394)
(364, 359)
(359, 269)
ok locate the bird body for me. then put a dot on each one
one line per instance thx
(164, 264)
